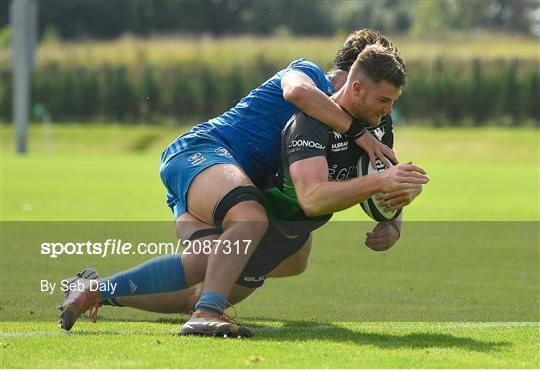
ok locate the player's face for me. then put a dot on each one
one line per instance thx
(372, 101)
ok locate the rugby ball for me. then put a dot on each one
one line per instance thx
(371, 206)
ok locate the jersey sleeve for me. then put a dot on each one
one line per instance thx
(311, 70)
(304, 137)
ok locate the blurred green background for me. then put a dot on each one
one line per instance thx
(471, 63)
(116, 81)
(111, 172)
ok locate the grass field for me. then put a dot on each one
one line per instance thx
(112, 173)
(467, 300)
(341, 345)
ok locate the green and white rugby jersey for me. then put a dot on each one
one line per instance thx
(304, 137)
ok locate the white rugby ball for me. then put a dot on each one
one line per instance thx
(371, 206)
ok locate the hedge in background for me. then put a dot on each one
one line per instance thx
(441, 91)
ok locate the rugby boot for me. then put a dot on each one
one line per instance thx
(88, 273)
(79, 302)
(208, 323)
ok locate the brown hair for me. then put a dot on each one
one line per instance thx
(379, 63)
(356, 42)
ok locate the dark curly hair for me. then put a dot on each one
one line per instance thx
(356, 42)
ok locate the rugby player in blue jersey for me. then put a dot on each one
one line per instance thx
(213, 174)
(302, 193)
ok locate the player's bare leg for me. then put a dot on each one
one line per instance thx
(152, 276)
(184, 301)
(150, 279)
(244, 222)
(187, 227)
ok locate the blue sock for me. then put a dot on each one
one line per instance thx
(212, 301)
(158, 275)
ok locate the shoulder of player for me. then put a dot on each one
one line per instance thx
(301, 120)
(387, 121)
(302, 62)
(385, 125)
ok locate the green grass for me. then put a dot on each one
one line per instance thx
(331, 345)
(468, 301)
(111, 173)
(453, 294)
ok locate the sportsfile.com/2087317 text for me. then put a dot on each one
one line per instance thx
(111, 247)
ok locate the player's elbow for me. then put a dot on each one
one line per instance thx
(312, 212)
(295, 93)
(311, 208)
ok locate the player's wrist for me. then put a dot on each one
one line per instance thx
(397, 226)
(356, 129)
(381, 182)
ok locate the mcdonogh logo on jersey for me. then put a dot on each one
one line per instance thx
(306, 143)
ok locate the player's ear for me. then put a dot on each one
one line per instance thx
(357, 87)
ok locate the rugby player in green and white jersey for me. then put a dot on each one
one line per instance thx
(317, 177)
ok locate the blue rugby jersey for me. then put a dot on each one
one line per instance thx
(252, 129)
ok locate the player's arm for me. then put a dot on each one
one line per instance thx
(300, 90)
(318, 196)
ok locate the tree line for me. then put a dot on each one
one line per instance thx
(84, 19)
(441, 92)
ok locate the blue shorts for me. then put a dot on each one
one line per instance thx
(183, 160)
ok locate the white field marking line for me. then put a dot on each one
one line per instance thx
(390, 325)
(82, 333)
